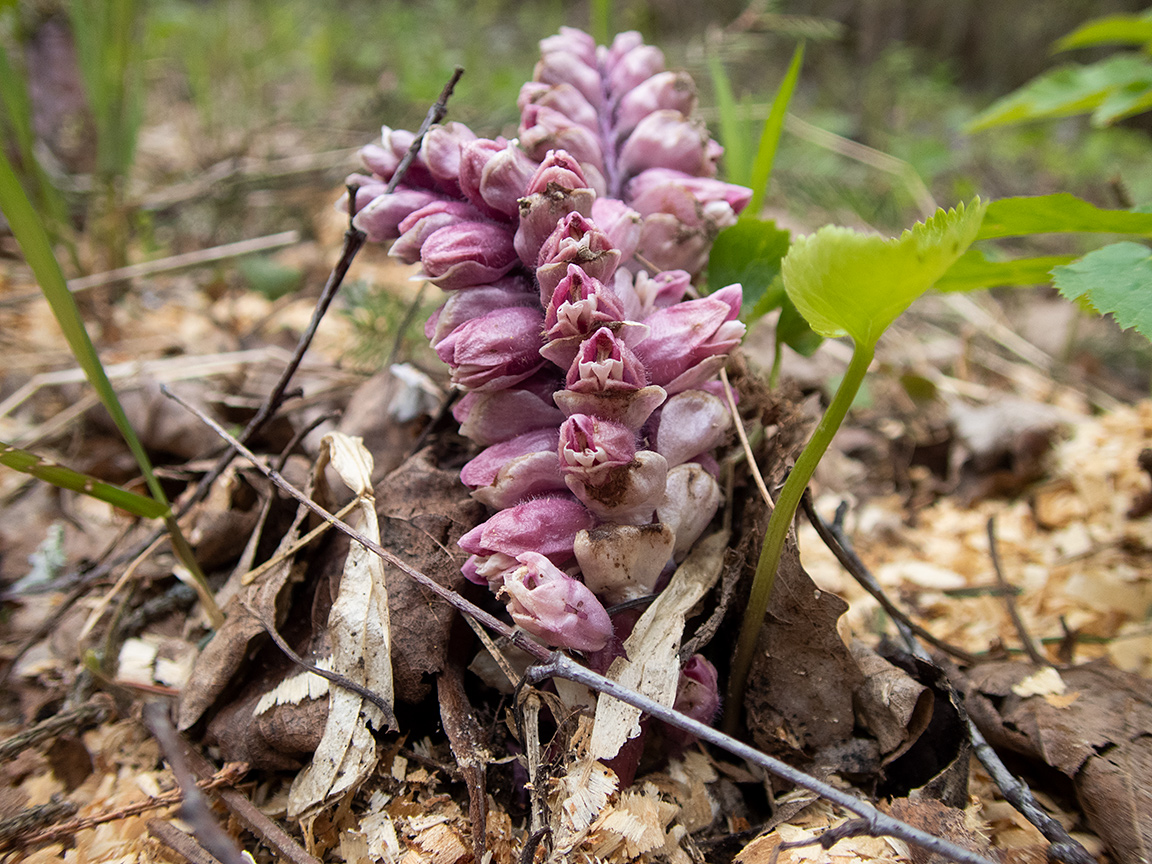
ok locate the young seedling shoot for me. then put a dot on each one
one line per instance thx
(845, 283)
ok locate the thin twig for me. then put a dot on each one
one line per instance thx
(334, 677)
(743, 436)
(229, 774)
(559, 666)
(194, 810)
(835, 539)
(1063, 846)
(182, 844)
(1010, 599)
(81, 717)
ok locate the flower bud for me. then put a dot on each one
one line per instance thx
(441, 152)
(494, 176)
(506, 473)
(562, 97)
(591, 447)
(691, 498)
(689, 342)
(660, 190)
(496, 351)
(384, 158)
(630, 493)
(381, 218)
(466, 254)
(547, 525)
(620, 222)
(667, 139)
(622, 43)
(568, 67)
(418, 226)
(488, 418)
(539, 214)
(554, 607)
(367, 189)
(576, 241)
(697, 695)
(463, 306)
(623, 562)
(691, 422)
(543, 129)
(666, 91)
(633, 67)
(558, 169)
(668, 243)
(573, 40)
(666, 288)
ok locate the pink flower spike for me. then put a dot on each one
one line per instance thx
(496, 351)
(506, 473)
(554, 607)
(633, 67)
(573, 40)
(547, 525)
(488, 418)
(466, 254)
(441, 152)
(689, 342)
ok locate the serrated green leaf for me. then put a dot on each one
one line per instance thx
(748, 252)
(1059, 213)
(974, 272)
(850, 284)
(1116, 280)
(1064, 91)
(66, 478)
(770, 134)
(1109, 30)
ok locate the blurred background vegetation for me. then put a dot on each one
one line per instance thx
(155, 127)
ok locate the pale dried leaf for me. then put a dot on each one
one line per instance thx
(295, 689)
(654, 645)
(361, 649)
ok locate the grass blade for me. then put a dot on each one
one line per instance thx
(731, 123)
(66, 478)
(770, 135)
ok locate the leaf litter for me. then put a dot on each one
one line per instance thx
(1068, 545)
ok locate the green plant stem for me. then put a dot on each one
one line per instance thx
(781, 521)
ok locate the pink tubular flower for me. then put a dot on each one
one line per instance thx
(554, 607)
(489, 418)
(419, 225)
(547, 525)
(466, 254)
(496, 351)
(689, 342)
(471, 303)
(691, 422)
(494, 176)
(665, 139)
(576, 241)
(381, 219)
(509, 472)
(697, 695)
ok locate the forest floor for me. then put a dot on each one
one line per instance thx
(994, 424)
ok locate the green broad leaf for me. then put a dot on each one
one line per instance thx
(1116, 280)
(850, 284)
(1109, 30)
(1059, 213)
(770, 134)
(66, 478)
(793, 330)
(749, 252)
(1064, 91)
(732, 132)
(973, 272)
(1125, 102)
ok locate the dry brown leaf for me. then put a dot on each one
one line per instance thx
(896, 707)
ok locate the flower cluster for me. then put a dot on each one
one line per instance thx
(589, 380)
